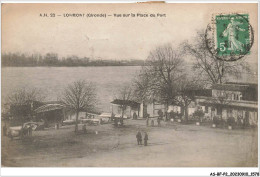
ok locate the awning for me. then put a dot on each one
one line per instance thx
(49, 107)
(120, 116)
(105, 115)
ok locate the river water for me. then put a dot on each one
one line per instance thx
(53, 80)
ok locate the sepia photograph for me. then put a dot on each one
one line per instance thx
(129, 85)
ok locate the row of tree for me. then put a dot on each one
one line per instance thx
(166, 78)
(163, 78)
(52, 59)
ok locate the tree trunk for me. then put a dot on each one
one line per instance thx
(123, 110)
(186, 113)
(166, 112)
(182, 110)
(76, 123)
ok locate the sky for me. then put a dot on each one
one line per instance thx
(23, 30)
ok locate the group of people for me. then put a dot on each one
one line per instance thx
(152, 122)
(139, 138)
(26, 131)
(118, 122)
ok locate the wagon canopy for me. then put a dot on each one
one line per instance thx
(49, 107)
(105, 115)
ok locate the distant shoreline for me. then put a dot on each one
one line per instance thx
(68, 66)
(53, 60)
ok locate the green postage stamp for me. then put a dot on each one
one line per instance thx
(232, 35)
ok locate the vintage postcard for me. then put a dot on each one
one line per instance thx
(129, 85)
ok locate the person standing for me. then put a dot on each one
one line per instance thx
(147, 121)
(84, 128)
(159, 122)
(116, 122)
(160, 113)
(139, 138)
(152, 123)
(145, 138)
(30, 130)
(135, 116)
(121, 121)
(4, 130)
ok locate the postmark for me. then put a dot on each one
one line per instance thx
(229, 37)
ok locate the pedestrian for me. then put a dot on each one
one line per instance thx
(4, 130)
(30, 130)
(139, 138)
(145, 138)
(160, 113)
(152, 123)
(116, 122)
(147, 121)
(159, 122)
(22, 132)
(121, 121)
(84, 128)
(134, 116)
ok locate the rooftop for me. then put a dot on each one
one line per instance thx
(130, 103)
(232, 86)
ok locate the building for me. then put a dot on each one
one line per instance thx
(238, 100)
(192, 107)
(50, 113)
(82, 115)
(151, 109)
(130, 107)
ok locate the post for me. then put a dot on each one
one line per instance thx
(64, 116)
(130, 112)
(76, 123)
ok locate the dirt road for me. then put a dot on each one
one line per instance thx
(172, 145)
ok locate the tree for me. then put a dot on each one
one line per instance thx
(22, 101)
(159, 77)
(51, 59)
(221, 99)
(79, 96)
(23, 95)
(125, 94)
(186, 89)
(142, 86)
(207, 66)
